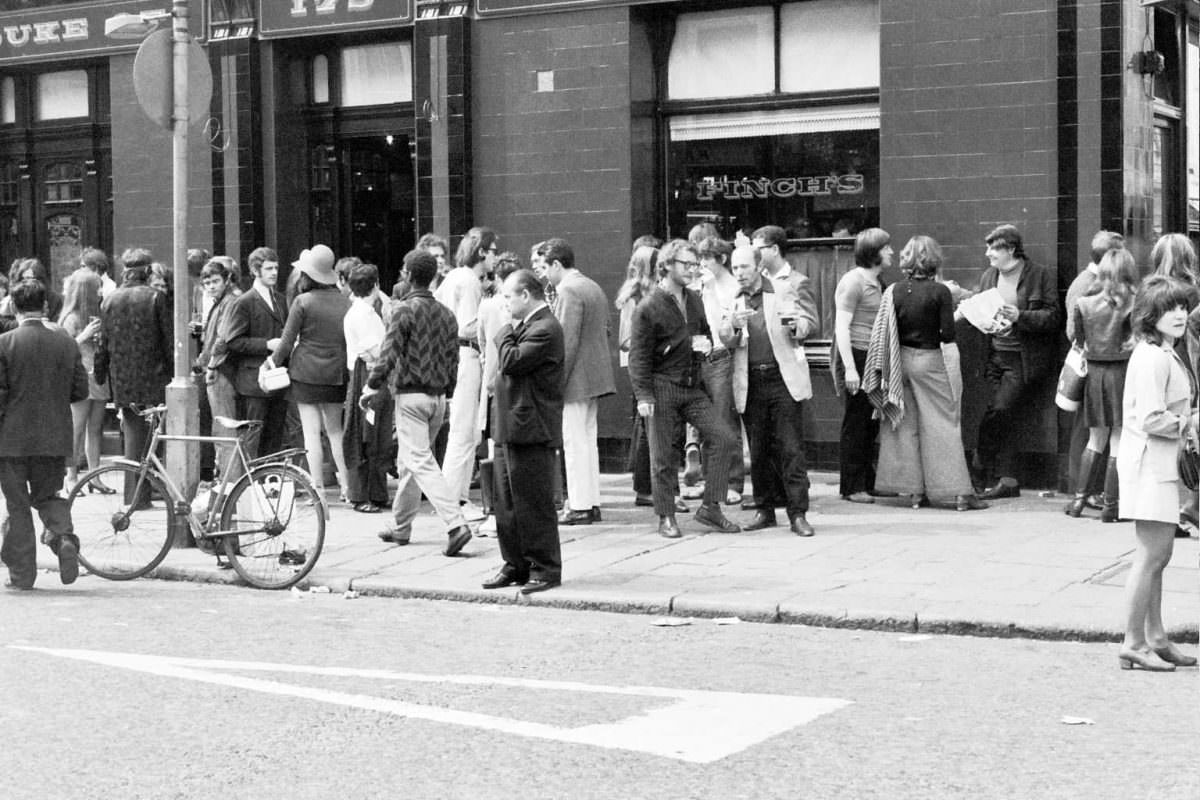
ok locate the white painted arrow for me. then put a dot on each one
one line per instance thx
(699, 727)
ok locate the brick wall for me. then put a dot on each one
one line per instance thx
(557, 163)
(142, 165)
(968, 125)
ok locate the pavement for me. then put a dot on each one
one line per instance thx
(1021, 568)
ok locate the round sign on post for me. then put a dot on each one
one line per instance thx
(154, 84)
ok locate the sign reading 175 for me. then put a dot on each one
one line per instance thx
(302, 8)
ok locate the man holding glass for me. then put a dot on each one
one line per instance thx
(670, 336)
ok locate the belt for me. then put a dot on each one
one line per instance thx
(761, 368)
(471, 343)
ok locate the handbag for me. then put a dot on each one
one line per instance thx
(272, 378)
(1071, 380)
(1188, 461)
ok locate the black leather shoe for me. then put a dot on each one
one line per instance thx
(643, 500)
(68, 559)
(668, 528)
(539, 585)
(18, 586)
(457, 539)
(1007, 487)
(504, 578)
(596, 514)
(713, 517)
(389, 535)
(573, 517)
(750, 505)
(762, 519)
(800, 526)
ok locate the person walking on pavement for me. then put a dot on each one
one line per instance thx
(461, 292)
(41, 374)
(669, 337)
(770, 384)
(582, 311)
(419, 363)
(1021, 353)
(1100, 322)
(1158, 413)
(135, 351)
(529, 427)
(252, 329)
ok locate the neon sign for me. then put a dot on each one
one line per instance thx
(763, 188)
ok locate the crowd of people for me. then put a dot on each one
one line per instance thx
(477, 366)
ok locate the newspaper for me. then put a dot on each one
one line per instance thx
(983, 310)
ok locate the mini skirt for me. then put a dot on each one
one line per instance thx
(318, 392)
(1104, 393)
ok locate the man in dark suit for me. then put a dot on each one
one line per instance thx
(136, 345)
(529, 409)
(41, 374)
(250, 332)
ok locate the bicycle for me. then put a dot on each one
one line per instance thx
(270, 520)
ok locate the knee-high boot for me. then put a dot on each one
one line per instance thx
(1111, 499)
(1091, 464)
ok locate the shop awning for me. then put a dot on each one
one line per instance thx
(744, 124)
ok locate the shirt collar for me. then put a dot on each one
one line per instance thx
(265, 293)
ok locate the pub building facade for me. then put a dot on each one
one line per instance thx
(364, 123)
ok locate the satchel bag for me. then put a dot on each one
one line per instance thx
(272, 378)
(1071, 380)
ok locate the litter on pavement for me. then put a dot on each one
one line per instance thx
(1077, 721)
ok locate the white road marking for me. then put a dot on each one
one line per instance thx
(700, 727)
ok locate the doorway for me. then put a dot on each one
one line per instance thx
(378, 219)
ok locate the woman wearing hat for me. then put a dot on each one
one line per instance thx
(313, 347)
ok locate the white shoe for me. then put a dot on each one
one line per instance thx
(488, 528)
(691, 492)
(471, 512)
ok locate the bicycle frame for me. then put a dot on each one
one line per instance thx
(181, 506)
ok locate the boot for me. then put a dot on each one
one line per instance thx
(487, 485)
(1108, 512)
(1090, 463)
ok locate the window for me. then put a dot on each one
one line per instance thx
(320, 80)
(1193, 128)
(376, 74)
(8, 101)
(8, 184)
(723, 54)
(63, 183)
(62, 95)
(829, 44)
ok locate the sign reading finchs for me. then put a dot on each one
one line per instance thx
(65, 31)
(278, 18)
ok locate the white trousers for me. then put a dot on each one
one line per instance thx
(464, 434)
(581, 454)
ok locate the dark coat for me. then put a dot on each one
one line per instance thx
(529, 389)
(314, 329)
(1037, 326)
(249, 324)
(135, 344)
(41, 374)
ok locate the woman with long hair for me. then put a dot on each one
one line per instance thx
(1102, 329)
(920, 447)
(313, 345)
(1174, 256)
(1157, 414)
(640, 279)
(857, 300)
(80, 318)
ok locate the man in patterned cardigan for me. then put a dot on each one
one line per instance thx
(419, 362)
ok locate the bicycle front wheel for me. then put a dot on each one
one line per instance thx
(283, 519)
(119, 540)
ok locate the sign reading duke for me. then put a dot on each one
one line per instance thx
(63, 31)
(278, 18)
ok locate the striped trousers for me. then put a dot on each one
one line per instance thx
(672, 404)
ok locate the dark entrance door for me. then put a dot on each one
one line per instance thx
(378, 217)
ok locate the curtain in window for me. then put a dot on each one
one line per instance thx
(377, 74)
(62, 95)
(828, 45)
(723, 54)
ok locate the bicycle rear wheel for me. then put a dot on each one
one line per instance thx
(284, 522)
(117, 541)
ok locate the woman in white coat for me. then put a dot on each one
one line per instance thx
(1157, 413)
